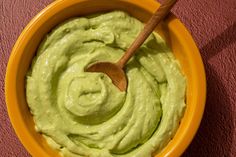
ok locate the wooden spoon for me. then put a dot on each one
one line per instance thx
(115, 70)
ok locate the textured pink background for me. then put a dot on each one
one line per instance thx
(212, 24)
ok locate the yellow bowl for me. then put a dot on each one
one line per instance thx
(172, 31)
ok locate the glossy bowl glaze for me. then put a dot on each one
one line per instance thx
(172, 30)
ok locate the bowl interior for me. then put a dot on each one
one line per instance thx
(171, 30)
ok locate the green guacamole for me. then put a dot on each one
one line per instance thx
(83, 114)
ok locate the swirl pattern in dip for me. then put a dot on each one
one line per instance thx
(84, 114)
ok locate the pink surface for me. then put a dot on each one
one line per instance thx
(212, 24)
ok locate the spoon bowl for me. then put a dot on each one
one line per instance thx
(114, 71)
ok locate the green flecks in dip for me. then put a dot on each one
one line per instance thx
(84, 114)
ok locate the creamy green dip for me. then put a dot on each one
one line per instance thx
(84, 114)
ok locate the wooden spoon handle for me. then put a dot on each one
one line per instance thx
(159, 15)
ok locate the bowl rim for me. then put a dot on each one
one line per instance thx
(39, 19)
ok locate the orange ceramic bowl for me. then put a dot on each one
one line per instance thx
(172, 31)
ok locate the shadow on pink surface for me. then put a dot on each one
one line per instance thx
(216, 133)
